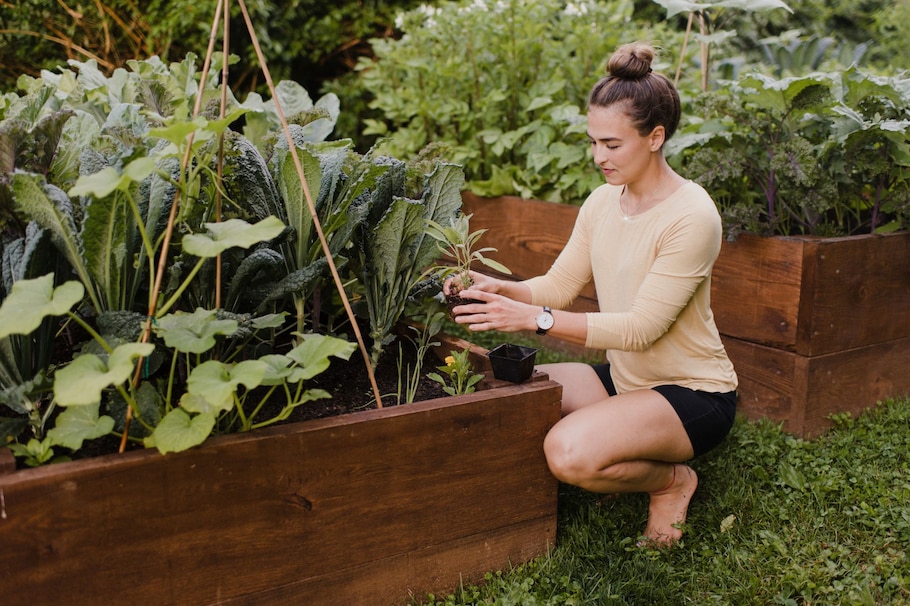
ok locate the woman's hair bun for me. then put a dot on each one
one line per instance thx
(631, 61)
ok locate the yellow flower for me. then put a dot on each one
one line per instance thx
(449, 360)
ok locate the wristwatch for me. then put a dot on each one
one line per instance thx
(544, 321)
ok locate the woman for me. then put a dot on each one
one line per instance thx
(648, 238)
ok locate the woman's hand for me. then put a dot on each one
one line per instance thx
(496, 312)
(481, 282)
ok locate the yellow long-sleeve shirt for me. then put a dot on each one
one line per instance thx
(652, 274)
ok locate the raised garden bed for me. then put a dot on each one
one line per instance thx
(364, 508)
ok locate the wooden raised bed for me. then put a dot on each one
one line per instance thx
(814, 326)
(366, 508)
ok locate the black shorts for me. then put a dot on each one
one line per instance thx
(706, 416)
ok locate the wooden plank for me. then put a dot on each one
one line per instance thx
(411, 576)
(766, 380)
(858, 277)
(246, 513)
(7, 461)
(801, 392)
(852, 381)
(528, 235)
(755, 290)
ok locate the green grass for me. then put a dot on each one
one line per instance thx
(776, 520)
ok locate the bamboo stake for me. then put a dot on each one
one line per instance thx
(682, 53)
(225, 49)
(172, 220)
(309, 200)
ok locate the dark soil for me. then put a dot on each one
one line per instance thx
(349, 384)
(453, 301)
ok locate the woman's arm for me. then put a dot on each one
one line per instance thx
(506, 307)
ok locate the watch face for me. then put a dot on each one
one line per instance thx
(545, 321)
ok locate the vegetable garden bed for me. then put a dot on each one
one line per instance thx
(365, 508)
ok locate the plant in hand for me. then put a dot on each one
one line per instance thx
(458, 243)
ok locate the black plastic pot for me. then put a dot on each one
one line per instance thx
(512, 362)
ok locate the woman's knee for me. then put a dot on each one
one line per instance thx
(567, 462)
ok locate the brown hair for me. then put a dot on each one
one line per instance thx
(650, 98)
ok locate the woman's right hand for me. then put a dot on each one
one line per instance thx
(481, 282)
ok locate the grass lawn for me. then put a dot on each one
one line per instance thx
(776, 520)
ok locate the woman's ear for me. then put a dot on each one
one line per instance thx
(656, 138)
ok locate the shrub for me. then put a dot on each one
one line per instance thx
(823, 154)
(304, 40)
(502, 85)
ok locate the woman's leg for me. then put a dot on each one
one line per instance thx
(626, 443)
(580, 384)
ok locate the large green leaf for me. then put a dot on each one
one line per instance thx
(179, 431)
(49, 207)
(32, 300)
(231, 233)
(290, 188)
(767, 92)
(674, 7)
(313, 353)
(81, 382)
(77, 135)
(193, 332)
(442, 199)
(75, 425)
(106, 181)
(212, 384)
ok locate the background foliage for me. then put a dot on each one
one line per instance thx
(500, 84)
(313, 42)
(308, 41)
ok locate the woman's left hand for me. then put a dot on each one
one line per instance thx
(496, 312)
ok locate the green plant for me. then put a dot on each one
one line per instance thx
(712, 17)
(793, 54)
(823, 154)
(460, 377)
(393, 246)
(500, 85)
(306, 40)
(458, 243)
(213, 395)
(92, 171)
(428, 327)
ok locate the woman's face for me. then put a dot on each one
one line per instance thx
(619, 150)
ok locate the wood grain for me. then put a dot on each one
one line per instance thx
(352, 501)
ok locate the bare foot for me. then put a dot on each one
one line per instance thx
(668, 508)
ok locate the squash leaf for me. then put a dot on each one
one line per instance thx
(195, 332)
(81, 382)
(179, 431)
(212, 384)
(231, 233)
(313, 353)
(75, 425)
(30, 301)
